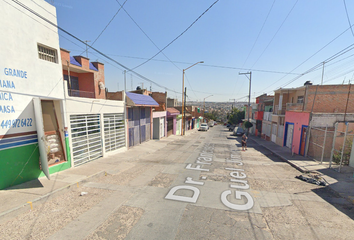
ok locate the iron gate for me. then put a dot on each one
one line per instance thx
(86, 138)
(114, 131)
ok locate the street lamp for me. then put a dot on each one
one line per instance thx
(183, 110)
(204, 105)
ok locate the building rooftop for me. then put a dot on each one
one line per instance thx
(142, 100)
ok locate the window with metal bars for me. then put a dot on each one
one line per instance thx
(47, 54)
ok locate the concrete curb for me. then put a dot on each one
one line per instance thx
(328, 187)
(283, 158)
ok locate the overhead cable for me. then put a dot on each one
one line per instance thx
(276, 33)
(346, 11)
(152, 41)
(107, 25)
(83, 42)
(259, 33)
(177, 36)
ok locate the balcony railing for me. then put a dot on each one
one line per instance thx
(78, 93)
(279, 112)
(267, 116)
(294, 106)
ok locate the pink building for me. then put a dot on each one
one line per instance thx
(295, 131)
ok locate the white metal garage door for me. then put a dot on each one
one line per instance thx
(86, 138)
(114, 131)
(162, 127)
(289, 137)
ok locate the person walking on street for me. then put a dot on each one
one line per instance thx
(244, 142)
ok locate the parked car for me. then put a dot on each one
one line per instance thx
(204, 127)
(231, 128)
(211, 123)
(238, 131)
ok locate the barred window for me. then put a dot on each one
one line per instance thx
(48, 54)
(300, 99)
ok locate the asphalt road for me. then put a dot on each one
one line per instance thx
(201, 186)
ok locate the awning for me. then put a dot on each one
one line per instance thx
(172, 112)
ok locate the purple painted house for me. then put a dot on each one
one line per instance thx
(139, 109)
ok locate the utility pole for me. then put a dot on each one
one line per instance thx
(249, 93)
(86, 41)
(184, 112)
(322, 73)
(204, 105)
(125, 81)
(234, 102)
(183, 96)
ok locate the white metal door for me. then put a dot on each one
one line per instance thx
(85, 137)
(114, 131)
(274, 132)
(289, 136)
(162, 127)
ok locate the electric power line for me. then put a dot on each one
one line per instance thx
(153, 43)
(83, 42)
(346, 11)
(314, 55)
(316, 67)
(276, 32)
(259, 33)
(177, 36)
(104, 29)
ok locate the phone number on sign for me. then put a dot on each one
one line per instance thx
(17, 123)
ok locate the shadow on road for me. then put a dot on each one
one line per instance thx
(341, 204)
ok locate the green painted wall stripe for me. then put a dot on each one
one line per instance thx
(18, 165)
(21, 164)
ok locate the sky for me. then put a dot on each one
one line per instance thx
(283, 44)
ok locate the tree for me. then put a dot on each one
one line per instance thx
(236, 116)
(248, 124)
(212, 115)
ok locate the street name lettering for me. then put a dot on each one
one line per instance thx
(237, 183)
(205, 158)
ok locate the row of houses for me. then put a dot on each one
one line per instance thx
(286, 118)
(56, 112)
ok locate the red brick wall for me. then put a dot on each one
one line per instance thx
(160, 98)
(85, 62)
(330, 99)
(86, 82)
(115, 95)
(65, 56)
(99, 77)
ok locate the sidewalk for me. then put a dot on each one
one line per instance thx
(18, 199)
(342, 184)
(15, 200)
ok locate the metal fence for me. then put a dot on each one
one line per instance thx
(331, 145)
